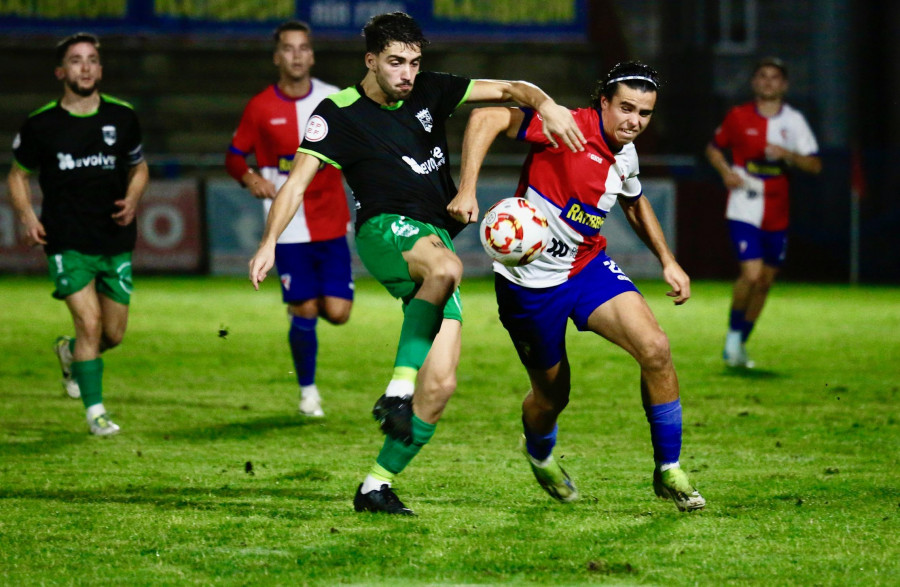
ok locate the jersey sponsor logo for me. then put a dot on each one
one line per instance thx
(620, 275)
(284, 163)
(277, 121)
(584, 218)
(67, 161)
(316, 129)
(436, 161)
(558, 248)
(764, 168)
(109, 134)
(596, 158)
(401, 228)
(424, 117)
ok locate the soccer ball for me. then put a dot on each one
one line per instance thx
(514, 232)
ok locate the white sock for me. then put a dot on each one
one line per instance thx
(94, 411)
(307, 391)
(400, 388)
(372, 484)
(666, 466)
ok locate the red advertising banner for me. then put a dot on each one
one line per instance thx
(169, 231)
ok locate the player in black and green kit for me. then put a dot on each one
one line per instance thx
(87, 149)
(387, 134)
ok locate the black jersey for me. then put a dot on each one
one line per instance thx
(394, 158)
(83, 164)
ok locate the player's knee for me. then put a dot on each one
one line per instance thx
(448, 272)
(337, 317)
(111, 339)
(654, 353)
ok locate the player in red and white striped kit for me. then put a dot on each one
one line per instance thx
(574, 279)
(312, 255)
(767, 138)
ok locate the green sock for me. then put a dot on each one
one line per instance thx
(421, 322)
(89, 375)
(395, 454)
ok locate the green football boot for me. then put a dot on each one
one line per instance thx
(551, 476)
(674, 484)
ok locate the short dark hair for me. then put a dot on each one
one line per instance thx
(633, 74)
(393, 27)
(63, 46)
(290, 25)
(771, 61)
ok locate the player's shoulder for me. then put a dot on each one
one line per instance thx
(342, 98)
(588, 119)
(323, 88)
(48, 107)
(790, 112)
(114, 102)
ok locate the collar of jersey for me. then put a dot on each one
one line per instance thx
(382, 106)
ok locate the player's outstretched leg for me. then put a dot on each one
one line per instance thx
(63, 349)
(674, 484)
(550, 475)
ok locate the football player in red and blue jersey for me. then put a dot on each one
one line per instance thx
(312, 255)
(767, 138)
(575, 279)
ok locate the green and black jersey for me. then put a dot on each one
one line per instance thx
(394, 158)
(83, 164)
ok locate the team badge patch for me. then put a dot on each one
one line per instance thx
(424, 117)
(109, 134)
(316, 129)
(286, 281)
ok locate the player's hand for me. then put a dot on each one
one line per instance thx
(34, 234)
(777, 153)
(679, 281)
(260, 187)
(126, 213)
(260, 264)
(559, 122)
(464, 208)
(733, 180)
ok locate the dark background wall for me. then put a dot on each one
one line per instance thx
(190, 90)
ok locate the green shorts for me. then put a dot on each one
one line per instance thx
(72, 271)
(381, 242)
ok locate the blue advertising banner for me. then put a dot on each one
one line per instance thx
(497, 20)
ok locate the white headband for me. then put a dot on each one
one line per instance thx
(628, 77)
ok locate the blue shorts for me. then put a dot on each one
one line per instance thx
(536, 318)
(750, 242)
(313, 270)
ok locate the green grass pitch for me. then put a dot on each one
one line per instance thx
(216, 479)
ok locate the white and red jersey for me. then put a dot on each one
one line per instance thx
(272, 127)
(575, 191)
(763, 199)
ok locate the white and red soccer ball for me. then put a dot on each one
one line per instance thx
(514, 232)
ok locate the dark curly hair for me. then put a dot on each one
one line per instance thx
(633, 74)
(393, 27)
(63, 46)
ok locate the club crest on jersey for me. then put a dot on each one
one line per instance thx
(109, 134)
(316, 129)
(424, 117)
(583, 217)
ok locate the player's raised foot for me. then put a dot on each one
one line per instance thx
(101, 425)
(380, 500)
(311, 407)
(674, 484)
(551, 477)
(61, 348)
(394, 416)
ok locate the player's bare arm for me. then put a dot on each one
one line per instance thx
(483, 127)
(807, 163)
(20, 195)
(717, 159)
(138, 178)
(645, 224)
(558, 120)
(285, 205)
(258, 186)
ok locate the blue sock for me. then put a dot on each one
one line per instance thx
(746, 329)
(736, 320)
(665, 431)
(304, 347)
(539, 447)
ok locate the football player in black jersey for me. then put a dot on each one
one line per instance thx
(86, 148)
(388, 135)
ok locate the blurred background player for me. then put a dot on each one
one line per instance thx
(87, 150)
(388, 134)
(574, 278)
(312, 255)
(767, 138)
